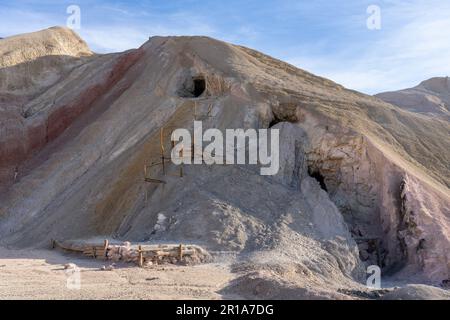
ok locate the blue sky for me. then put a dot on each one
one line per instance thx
(327, 37)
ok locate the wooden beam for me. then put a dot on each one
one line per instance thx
(150, 180)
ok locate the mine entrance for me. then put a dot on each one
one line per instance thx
(320, 178)
(274, 121)
(199, 86)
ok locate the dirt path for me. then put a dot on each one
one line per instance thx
(40, 274)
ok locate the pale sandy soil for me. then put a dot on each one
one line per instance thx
(40, 274)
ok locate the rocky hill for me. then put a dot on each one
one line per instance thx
(431, 97)
(361, 181)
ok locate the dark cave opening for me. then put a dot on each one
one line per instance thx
(274, 121)
(192, 87)
(199, 87)
(319, 177)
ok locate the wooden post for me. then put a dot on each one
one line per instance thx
(16, 173)
(94, 252)
(180, 252)
(209, 110)
(105, 248)
(195, 110)
(161, 138)
(141, 258)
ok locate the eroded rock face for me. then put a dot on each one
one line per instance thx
(374, 195)
(29, 121)
(367, 189)
(423, 233)
(351, 176)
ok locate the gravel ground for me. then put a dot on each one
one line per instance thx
(40, 274)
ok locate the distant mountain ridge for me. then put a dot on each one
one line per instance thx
(431, 97)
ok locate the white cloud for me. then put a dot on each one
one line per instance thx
(413, 44)
(112, 39)
(415, 49)
(15, 21)
(119, 32)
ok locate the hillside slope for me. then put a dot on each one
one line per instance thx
(81, 144)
